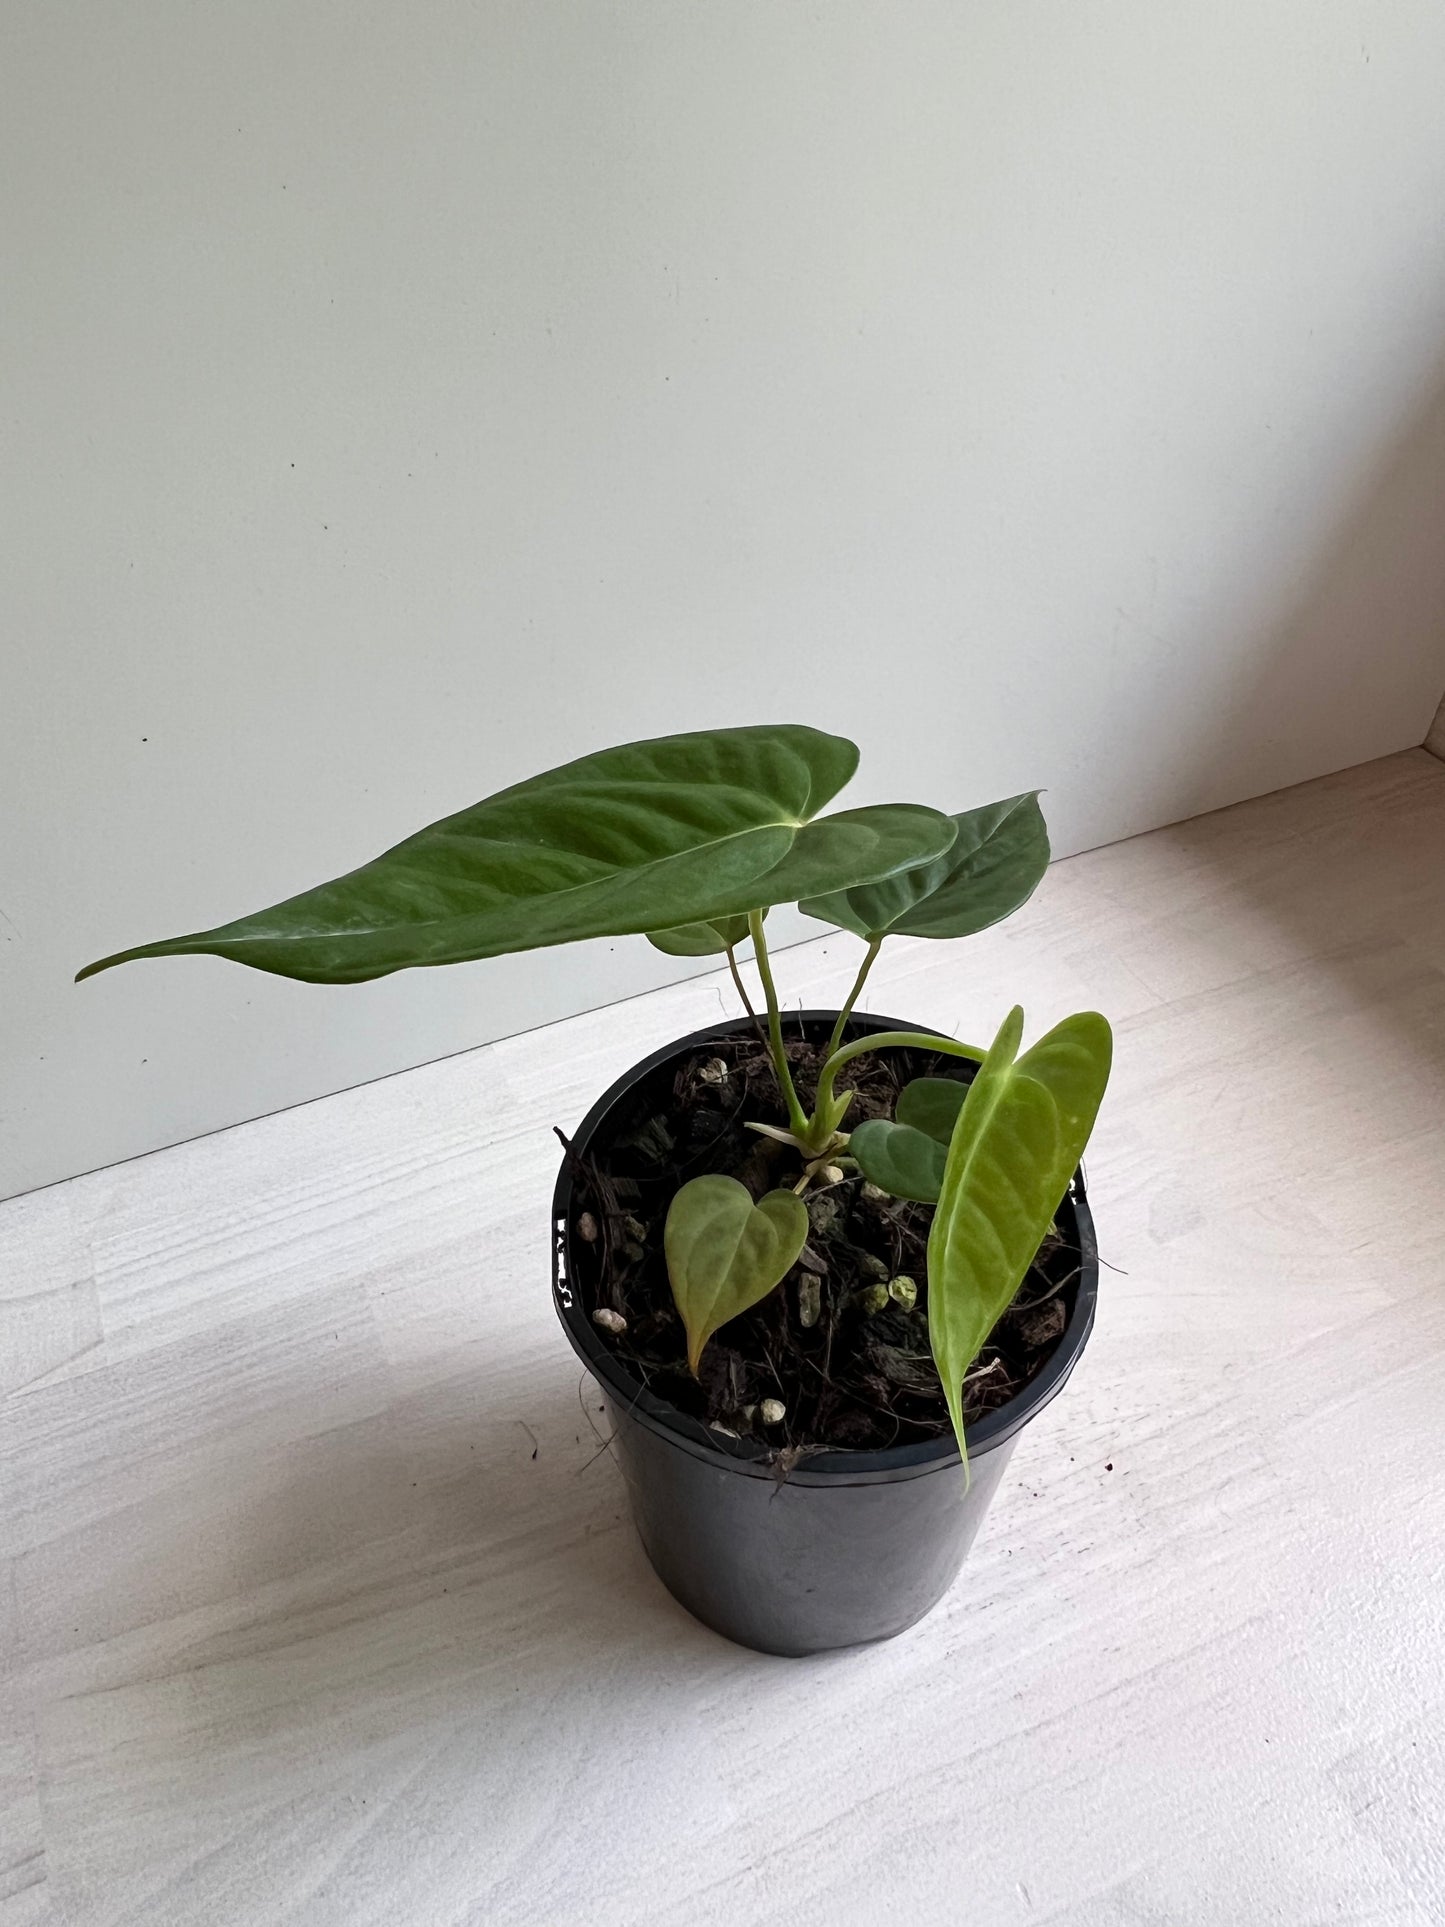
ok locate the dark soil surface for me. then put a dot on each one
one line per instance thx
(847, 1374)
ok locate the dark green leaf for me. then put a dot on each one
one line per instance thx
(998, 856)
(644, 837)
(878, 840)
(899, 1160)
(932, 1105)
(906, 1156)
(1017, 1142)
(724, 1252)
(707, 939)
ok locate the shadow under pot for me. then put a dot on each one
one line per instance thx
(848, 1546)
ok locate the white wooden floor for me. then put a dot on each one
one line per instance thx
(318, 1602)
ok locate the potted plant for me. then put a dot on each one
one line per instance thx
(825, 1267)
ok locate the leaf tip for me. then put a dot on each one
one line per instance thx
(954, 1396)
(1093, 1029)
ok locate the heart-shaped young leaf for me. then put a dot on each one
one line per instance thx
(932, 1105)
(724, 1252)
(1017, 1142)
(899, 1160)
(905, 1156)
(998, 856)
(707, 939)
(644, 837)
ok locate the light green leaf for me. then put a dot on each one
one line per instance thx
(1017, 1142)
(998, 856)
(708, 939)
(644, 837)
(724, 1252)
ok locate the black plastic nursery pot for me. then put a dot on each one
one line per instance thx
(848, 1546)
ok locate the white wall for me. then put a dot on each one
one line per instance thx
(403, 398)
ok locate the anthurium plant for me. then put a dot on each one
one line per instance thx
(690, 840)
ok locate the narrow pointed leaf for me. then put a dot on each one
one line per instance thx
(899, 1160)
(998, 856)
(724, 1252)
(1017, 1142)
(707, 939)
(643, 837)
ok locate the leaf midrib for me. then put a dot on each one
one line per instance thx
(550, 896)
(990, 1108)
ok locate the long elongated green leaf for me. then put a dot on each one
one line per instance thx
(1019, 1137)
(644, 837)
(998, 856)
(724, 1252)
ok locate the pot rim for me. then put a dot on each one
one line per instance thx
(835, 1465)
